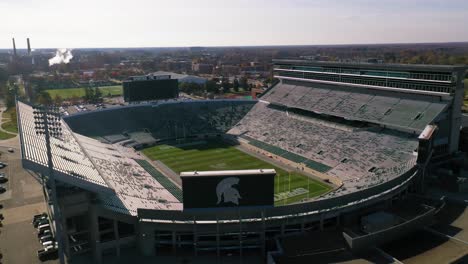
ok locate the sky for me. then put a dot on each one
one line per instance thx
(177, 23)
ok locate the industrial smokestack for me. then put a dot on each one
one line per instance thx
(29, 47)
(14, 47)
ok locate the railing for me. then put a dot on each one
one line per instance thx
(402, 83)
(422, 76)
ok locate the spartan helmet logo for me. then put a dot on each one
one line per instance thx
(226, 192)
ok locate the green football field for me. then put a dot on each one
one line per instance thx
(290, 187)
(80, 92)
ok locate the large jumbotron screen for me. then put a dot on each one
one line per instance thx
(215, 189)
(148, 90)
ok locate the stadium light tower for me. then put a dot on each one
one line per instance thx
(47, 123)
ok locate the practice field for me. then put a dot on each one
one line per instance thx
(80, 92)
(290, 186)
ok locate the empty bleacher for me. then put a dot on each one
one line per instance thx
(164, 120)
(288, 155)
(136, 186)
(364, 156)
(67, 154)
(170, 186)
(378, 107)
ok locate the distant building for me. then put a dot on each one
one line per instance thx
(88, 74)
(182, 78)
(203, 68)
(230, 69)
(180, 66)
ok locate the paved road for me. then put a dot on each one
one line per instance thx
(23, 199)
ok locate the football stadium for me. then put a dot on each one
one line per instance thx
(329, 143)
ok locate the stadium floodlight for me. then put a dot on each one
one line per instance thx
(47, 123)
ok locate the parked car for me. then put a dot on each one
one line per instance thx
(48, 242)
(44, 232)
(46, 238)
(47, 253)
(43, 227)
(2, 190)
(11, 150)
(39, 216)
(3, 178)
(39, 222)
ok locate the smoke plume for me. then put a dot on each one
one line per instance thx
(61, 56)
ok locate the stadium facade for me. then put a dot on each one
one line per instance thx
(369, 129)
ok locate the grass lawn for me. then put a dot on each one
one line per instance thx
(10, 126)
(80, 92)
(215, 155)
(4, 135)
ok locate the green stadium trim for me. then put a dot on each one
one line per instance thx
(288, 155)
(163, 180)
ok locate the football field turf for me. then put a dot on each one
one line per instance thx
(215, 155)
(80, 92)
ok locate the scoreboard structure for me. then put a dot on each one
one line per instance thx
(233, 188)
(150, 88)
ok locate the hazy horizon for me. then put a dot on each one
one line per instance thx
(209, 23)
(242, 46)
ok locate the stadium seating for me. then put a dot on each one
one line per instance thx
(358, 154)
(163, 120)
(364, 156)
(170, 186)
(135, 185)
(288, 155)
(376, 106)
(67, 154)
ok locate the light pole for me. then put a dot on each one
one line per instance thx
(47, 122)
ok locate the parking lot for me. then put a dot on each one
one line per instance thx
(23, 199)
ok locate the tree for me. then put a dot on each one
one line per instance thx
(74, 99)
(235, 85)
(58, 99)
(97, 94)
(89, 93)
(244, 83)
(44, 98)
(389, 57)
(211, 87)
(225, 83)
(9, 91)
(190, 87)
(3, 76)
